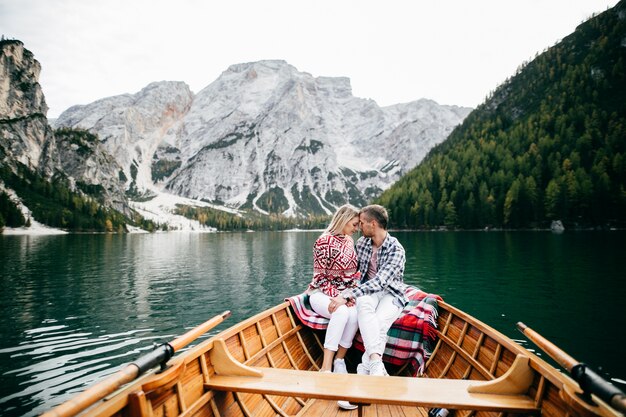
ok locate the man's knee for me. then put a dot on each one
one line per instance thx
(366, 304)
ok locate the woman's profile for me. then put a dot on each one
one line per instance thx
(335, 270)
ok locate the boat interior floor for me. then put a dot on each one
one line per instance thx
(328, 408)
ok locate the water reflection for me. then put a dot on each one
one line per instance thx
(80, 306)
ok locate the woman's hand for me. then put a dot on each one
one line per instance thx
(335, 303)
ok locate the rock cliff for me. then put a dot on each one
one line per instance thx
(24, 129)
(27, 138)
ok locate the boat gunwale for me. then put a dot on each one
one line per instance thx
(119, 399)
(541, 366)
(206, 345)
(559, 379)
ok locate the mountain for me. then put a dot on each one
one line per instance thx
(24, 127)
(549, 143)
(64, 178)
(263, 136)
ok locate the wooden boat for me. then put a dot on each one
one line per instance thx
(265, 366)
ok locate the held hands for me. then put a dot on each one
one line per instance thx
(335, 303)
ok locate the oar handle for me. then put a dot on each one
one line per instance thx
(562, 358)
(619, 404)
(196, 332)
(131, 371)
(589, 380)
(94, 393)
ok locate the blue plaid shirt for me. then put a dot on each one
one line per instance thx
(389, 271)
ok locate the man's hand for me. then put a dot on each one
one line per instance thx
(335, 303)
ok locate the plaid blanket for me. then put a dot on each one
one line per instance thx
(411, 338)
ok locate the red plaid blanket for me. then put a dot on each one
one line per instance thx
(411, 338)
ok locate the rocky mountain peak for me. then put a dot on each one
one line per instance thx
(20, 92)
(26, 138)
(264, 136)
(269, 65)
(22, 106)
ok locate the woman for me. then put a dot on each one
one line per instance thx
(335, 270)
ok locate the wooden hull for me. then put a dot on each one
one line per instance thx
(467, 351)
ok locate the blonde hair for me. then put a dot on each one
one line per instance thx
(341, 217)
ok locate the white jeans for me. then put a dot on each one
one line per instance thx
(376, 314)
(343, 322)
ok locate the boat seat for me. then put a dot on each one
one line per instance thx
(507, 393)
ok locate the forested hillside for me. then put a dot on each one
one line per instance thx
(54, 204)
(548, 144)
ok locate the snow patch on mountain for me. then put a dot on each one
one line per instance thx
(162, 210)
(35, 228)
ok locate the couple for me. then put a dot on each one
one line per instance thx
(357, 290)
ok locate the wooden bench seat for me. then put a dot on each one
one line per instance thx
(424, 392)
(507, 393)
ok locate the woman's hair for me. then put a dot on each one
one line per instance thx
(378, 213)
(341, 217)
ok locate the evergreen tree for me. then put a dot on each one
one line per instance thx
(11, 214)
(547, 144)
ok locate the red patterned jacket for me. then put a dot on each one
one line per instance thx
(334, 265)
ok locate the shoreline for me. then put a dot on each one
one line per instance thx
(41, 230)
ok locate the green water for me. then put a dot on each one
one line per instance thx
(76, 307)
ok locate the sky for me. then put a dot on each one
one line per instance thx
(454, 52)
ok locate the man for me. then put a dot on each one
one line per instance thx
(380, 295)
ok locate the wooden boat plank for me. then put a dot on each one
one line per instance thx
(371, 389)
(316, 408)
(536, 362)
(328, 408)
(207, 387)
(198, 405)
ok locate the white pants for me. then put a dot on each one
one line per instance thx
(376, 314)
(343, 323)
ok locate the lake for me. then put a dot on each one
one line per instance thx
(77, 307)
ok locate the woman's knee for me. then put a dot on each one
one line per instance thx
(342, 312)
(319, 303)
(352, 315)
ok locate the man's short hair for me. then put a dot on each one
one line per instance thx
(378, 213)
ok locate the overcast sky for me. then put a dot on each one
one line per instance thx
(451, 51)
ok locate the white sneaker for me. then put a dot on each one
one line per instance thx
(339, 367)
(365, 359)
(378, 368)
(346, 405)
(362, 369)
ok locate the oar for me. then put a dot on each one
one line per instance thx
(590, 382)
(159, 356)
